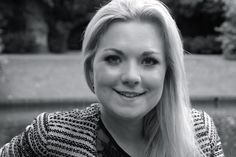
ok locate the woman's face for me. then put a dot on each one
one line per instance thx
(129, 69)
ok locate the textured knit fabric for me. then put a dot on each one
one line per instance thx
(74, 134)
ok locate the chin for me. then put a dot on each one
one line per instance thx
(131, 114)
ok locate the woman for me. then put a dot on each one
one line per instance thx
(133, 62)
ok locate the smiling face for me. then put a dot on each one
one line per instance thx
(129, 69)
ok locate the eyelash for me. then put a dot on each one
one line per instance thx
(150, 60)
(113, 59)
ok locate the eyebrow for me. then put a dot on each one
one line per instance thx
(145, 53)
(115, 50)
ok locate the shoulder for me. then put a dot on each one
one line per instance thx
(73, 130)
(89, 113)
(80, 119)
(206, 134)
(77, 116)
(203, 123)
(200, 119)
(70, 133)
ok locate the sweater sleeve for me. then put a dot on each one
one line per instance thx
(216, 149)
(32, 142)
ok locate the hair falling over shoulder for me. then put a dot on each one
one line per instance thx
(168, 128)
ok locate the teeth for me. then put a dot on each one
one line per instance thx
(129, 94)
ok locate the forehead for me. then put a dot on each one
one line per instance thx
(138, 35)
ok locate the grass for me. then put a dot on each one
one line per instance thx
(226, 126)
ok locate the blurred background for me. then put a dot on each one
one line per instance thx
(41, 64)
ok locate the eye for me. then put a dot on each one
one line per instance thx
(148, 61)
(113, 59)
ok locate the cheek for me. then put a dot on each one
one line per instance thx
(154, 81)
(104, 76)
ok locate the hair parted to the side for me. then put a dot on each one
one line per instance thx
(168, 128)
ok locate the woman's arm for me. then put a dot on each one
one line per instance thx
(32, 142)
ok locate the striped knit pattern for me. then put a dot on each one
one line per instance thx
(73, 134)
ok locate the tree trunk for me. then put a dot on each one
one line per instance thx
(58, 36)
(36, 26)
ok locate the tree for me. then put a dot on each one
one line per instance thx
(36, 24)
(66, 19)
(57, 25)
(1, 31)
(12, 23)
(228, 30)
(44, 25)
(197, 21)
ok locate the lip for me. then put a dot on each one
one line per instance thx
(129, 94)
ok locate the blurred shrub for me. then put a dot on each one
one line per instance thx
(228, 30)
(65, 22)
(202, 45)
(19, 42)
(59, 18)
(197, 21)
(1, 31)
(1, 43)
(226, 127)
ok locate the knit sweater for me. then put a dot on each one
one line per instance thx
(73, 134)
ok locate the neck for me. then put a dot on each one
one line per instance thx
(126, 132)
(123, 128)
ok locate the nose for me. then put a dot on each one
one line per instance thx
(131, 75)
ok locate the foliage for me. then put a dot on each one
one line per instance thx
(21, 42)
(228, 30)
(56, 18)
(67, 17)
(62, 23)
(1, 42)
(12, 26)
(189, 8)
(197, 21)
(202, 45)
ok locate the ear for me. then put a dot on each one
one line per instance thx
(89, 71)
(91, 76)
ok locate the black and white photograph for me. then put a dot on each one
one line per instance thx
(117, 78)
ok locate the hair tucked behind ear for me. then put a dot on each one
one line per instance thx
(168, 128)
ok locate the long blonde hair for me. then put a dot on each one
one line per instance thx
(168, 128)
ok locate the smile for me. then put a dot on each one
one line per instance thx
(130, 94)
